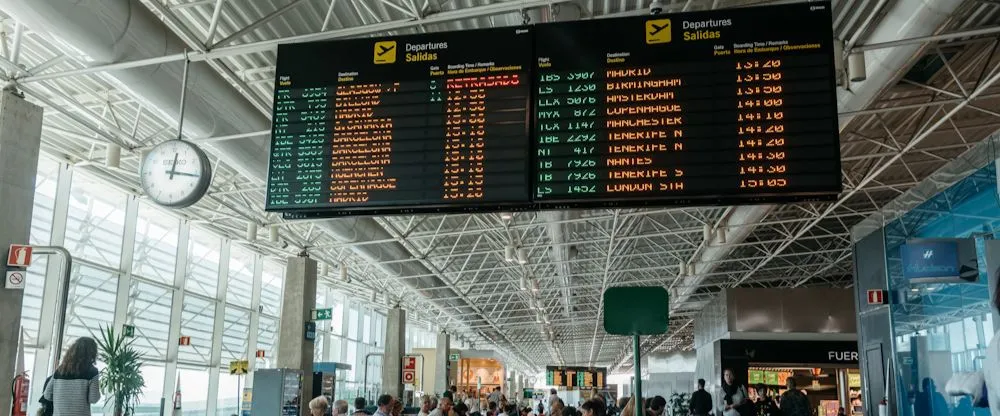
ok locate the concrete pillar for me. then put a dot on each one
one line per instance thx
(395, 347)
(297, 301)
(441, 363)
(20, 140)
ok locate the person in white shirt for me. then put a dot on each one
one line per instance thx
(992, 364)
(426, 406)
(495, 396)
(553, 398)
(384, 401)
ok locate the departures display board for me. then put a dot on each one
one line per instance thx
(576, 377)
(722, 105)
(436, 120)
(726, 106)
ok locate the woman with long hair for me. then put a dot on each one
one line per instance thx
(76, 383)
(736, 398)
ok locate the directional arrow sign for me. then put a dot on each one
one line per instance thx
(322, 314)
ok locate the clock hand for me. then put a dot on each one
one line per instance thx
(183, 174)
(173, 169)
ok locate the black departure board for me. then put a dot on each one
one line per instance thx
(725, 106)
(400, 124)
(729, 105)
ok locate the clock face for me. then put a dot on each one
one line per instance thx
(176, 174)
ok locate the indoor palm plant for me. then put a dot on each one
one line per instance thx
(121, 378)
(679, 404)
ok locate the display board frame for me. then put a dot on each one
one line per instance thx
(534, 202)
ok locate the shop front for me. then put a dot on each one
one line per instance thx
(827, 371)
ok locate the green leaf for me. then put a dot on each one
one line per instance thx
(121, 378)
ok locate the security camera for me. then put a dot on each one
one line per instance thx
(655, 7)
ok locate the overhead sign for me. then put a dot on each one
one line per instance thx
(129, 330)
(940, 260)
(239, 367)
(738, 352)
(876, 297)
(636, 310)
(409, 369)
(630, 109)
(184, 341)
(578, 377)
(409, 362)
(19, 255)
(454, 357)
(435, 121)
(15, 280)
(322, 314)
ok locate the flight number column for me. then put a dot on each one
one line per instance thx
(761, 124)
(568, 113)
(300, 136)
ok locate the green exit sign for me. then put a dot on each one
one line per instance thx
(129, 331)
(322, 314)
(454, 357)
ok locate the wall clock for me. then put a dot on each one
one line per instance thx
(176, 174)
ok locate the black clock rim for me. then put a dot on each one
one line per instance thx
(203, 183)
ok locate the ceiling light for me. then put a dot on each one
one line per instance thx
(506, 216)
(720, 235)
(343, 273)
(509, 253)
(325, 269)
(251, 231)
(682, 269)
(856, 71)
(113, 156)
(272, 233)
(706, 233)
(914, 290)
(523, 284)
(522, 255)
(374, 296)
(534, 286)
(691, 270)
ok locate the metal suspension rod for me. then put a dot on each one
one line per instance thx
(180, 111)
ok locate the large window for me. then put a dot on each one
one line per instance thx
(96, 221)
(240, 284)
(41, 232)
(149, 312)
(155, 252)
(204, 251)
(95, 234)
(234, 334)
(197, 320)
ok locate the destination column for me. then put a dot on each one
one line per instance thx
(644, 129)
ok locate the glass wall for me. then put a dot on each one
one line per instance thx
(135, 264)
(126, 272)
(942, 328)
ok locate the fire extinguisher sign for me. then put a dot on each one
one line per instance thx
(19, 255)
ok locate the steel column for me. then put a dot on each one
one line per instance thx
(176, 311)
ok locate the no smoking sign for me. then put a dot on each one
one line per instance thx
(14, 280)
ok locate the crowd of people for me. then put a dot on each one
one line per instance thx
(454, 403)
